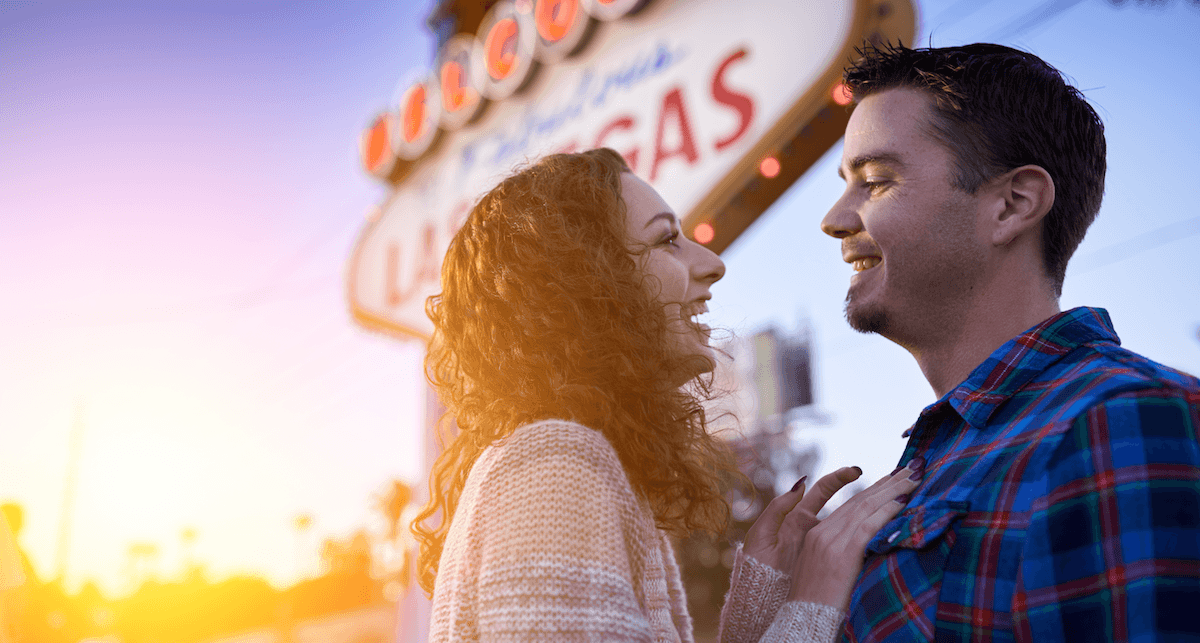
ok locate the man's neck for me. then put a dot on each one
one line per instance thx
(949, 358)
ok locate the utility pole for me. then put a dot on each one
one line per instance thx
(64, 524)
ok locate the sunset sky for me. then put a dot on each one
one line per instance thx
(181, 190)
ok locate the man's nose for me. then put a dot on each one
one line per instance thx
(842, 220)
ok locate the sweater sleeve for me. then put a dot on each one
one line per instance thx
(554, 559)
(755, 610)
(802, 622)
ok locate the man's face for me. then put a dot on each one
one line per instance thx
(908, 233)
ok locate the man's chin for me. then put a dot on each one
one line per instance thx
(865, 318)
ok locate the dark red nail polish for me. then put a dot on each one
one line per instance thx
(903, 498)
(799, 482)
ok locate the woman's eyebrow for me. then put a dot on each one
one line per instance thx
(669, 216)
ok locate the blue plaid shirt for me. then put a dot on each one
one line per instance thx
(1061, 502)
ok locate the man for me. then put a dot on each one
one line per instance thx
(1061, 497)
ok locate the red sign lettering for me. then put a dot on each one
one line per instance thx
(740, 103)
(620, 123)
(673, 109)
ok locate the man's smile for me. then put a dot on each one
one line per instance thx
(865, 263)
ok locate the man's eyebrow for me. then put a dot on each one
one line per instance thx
(883, 158)
(669, 216)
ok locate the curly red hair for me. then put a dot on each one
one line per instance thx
(544, 314)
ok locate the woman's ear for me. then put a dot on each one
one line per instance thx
(1028, 194)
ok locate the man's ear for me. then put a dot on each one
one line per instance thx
(1028, 194)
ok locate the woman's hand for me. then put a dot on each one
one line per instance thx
(832, 552)
(776, 537)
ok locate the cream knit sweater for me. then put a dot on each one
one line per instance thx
(550, 543)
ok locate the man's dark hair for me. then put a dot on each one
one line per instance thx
(996, 109)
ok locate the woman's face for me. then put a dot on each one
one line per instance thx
(679, 270)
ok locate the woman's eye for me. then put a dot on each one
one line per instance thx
(671, 239)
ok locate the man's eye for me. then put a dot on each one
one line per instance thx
(874, 186)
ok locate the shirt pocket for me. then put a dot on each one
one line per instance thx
(917, 527)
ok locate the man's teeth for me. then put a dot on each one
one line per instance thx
(865, 263)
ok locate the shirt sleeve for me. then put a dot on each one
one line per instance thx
(555, 562)
(1113, 545)
(755, 610)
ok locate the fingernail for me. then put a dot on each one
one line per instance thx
(858, 469)
(903, 498)
(916, 475)
(917, 464)
(799, 482)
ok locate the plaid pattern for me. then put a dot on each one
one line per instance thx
(1061, 502)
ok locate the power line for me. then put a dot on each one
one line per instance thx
(957, 12)
(1033, 18)
(1138, 244)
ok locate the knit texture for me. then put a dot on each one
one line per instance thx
(755, 609)
(550, 543)
(804, 622)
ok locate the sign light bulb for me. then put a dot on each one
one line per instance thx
(454, 86)
(414, 113)
(376, 149)
(841, 95)
(555, 17)
(704, 233)
(769, 167)
(501, 48)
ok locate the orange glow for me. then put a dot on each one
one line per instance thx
(555, 18)
(704, 233)
(501, 46)
(454, 86)
(413, 113)
(841, 94)
(376, 148)
(769, 167)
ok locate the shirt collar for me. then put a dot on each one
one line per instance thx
(1023, 358)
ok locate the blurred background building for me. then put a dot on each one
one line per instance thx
(767, 412)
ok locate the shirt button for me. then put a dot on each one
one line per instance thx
(893, 537)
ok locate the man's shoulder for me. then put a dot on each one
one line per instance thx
(1098, 371)
(1104, 394)
(1101, 382)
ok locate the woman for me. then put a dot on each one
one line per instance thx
(567, 351)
